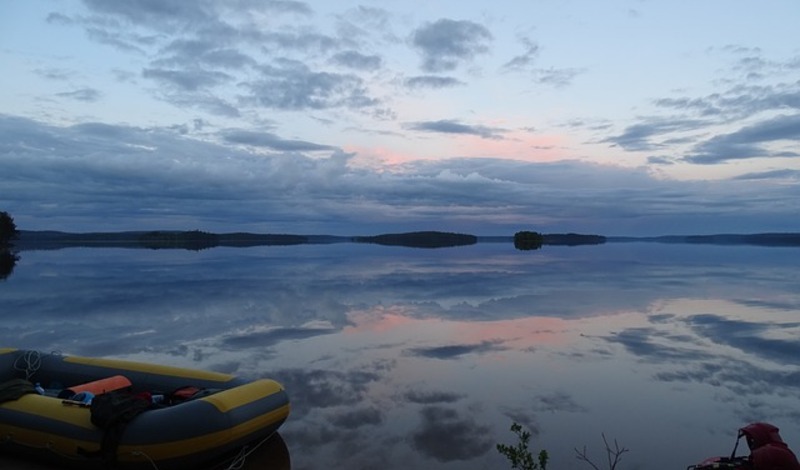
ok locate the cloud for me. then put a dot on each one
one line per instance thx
(445, 44)
(432, 81)
(745, 143)
(303, 41)
(640, 342)
(457, 350)
(687, 354)
(524, 60)
(738, 102)
(749, 336)
(288, 6)
(187, 79)
(356, 60)
(446, 437)
(190, 53)
(741, 377)
(82, 94)
(640, 137)
(130, 176)
(557, 77)
(558, 401)
(357, 418)
(124, 41)
(269, 140)
(166, 14)
(53, 73)
(325, 388)
(770, 174)
(430, 398)
(446, 126)
(291, 85)
(271, 337)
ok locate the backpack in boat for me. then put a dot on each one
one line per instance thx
(112, 412)
(114, 408)
(15, 388)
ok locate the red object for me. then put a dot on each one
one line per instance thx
(98, 387)
(767, 449)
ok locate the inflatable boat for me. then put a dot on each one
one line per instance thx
(103, 413)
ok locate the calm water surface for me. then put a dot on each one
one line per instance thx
(413, 358)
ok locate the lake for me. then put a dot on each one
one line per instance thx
(402, 357)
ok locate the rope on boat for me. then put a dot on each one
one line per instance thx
(139, 453)
(238, 461)
(29, 363)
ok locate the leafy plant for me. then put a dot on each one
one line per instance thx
(519, 455)
(521, 458)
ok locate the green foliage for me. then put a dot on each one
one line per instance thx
(8, 229)
(526, 240)
(519, 455)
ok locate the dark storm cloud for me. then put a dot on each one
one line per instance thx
(457, 350)
(83, 94)
(432, 81)
(269, 140)
(447, 126)
(746, 142)
(445, 44)
(292, 85)
(356, 60)
(446, 436)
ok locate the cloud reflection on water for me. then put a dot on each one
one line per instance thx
(424, 357)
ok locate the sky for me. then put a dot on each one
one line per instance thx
(621, 117)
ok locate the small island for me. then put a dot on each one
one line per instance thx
(428, 239)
